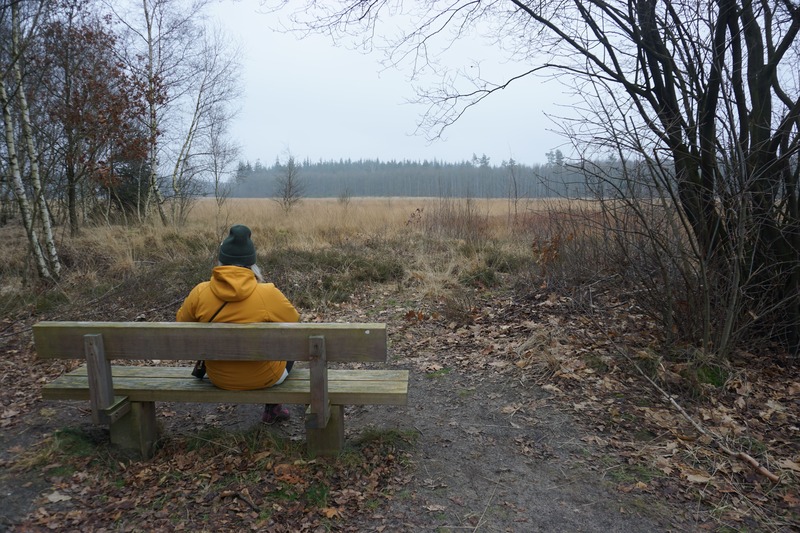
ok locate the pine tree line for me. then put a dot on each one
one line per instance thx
(372, 177)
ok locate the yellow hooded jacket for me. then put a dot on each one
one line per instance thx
(248, 301)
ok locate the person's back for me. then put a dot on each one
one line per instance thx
(237, 294)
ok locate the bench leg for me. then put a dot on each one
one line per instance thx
(330, 439)
(137, 432)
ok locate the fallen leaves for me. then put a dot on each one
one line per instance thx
(638, 486)
(543, 340)
(230, 483)
(331, 512)
(697, 478)
(787, 464)
(434, 508)
(56, 497)
(511, 409)
(576, 359)
(7, 416)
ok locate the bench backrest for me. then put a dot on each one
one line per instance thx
(200, 340)
(101, 342)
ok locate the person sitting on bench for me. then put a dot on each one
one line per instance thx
(237, 293)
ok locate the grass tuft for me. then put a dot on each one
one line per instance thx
(58, 451)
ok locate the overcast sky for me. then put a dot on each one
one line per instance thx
(324, 102)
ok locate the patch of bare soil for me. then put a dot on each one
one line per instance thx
(494, 451)
(500, 440)
(490, 458)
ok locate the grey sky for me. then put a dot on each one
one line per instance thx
(323, 102)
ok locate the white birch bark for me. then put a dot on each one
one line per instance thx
(33, 154)
(153, 118)
(19, 187)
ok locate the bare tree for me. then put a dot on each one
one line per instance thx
(190, 79)
(221, 157)
(205, 150)
(699, 101)
(289, 187)
(513, 192)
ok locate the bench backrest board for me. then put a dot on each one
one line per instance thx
(195, 340)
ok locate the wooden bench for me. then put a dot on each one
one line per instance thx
(124, 396)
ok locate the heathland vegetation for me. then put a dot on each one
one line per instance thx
(701, 117)
(689, 159)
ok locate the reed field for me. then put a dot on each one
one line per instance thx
(322, 251)
(316, 222)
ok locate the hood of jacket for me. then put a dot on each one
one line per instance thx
(232, 283)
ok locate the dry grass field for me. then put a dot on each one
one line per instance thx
(425, 241)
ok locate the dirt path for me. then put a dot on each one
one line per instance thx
(496, 452)
(489, 458)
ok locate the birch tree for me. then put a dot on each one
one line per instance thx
(189, 78)
(205, 151)
(34, 211)
(289, 187)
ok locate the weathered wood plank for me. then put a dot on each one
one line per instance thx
(329, 439)
(101, 386)
(119, 408)
(319, 409)
(183, 372)
(193, 340)
(383, 389)
(137, 431)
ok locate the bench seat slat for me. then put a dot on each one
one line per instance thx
(175, 384)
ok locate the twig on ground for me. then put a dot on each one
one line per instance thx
(239, 496)
(97, 299)
(497, 481)
(715, 439)
(486, 508)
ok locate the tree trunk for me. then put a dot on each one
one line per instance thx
(33, 153)
(19, 188)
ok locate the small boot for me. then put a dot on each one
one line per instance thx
(274, 412)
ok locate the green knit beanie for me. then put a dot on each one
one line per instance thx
(237, 248)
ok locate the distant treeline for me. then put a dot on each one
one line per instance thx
(475, 179)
